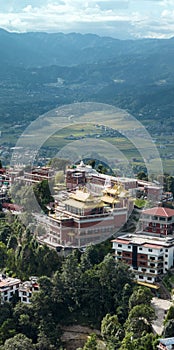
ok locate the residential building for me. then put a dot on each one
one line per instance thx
(157, 220)
(148, 256)
(166, 344)
(27, 288)
(8, 287)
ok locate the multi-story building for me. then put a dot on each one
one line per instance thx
(85, 218)
(82, 175)
(166, 344)
(147, 256)
(150, 190)
(26, 290)
(157, 220)
(85, 175)
(8, 287)
(36, 175)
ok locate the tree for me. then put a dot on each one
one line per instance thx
(3, 255)
(43, 194)
(127, 343)
(140, 319)
(7, 329)
(146, 342)
(91, 343)
(18, 342)
(168, 329)
(5, 233)
(142, 176)
(141, 295)
(170, 314)
(111, 330)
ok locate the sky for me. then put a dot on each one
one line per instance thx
(122, 19)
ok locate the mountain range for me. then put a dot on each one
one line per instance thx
(40, 71)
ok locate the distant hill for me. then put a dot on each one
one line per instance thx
(40, 71)
(44, 49)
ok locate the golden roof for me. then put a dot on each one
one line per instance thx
(82, 195)
(109, 199)
(83, 205)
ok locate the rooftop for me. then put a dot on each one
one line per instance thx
(159, 211)
(167, 341)
(145, 240)
(6, 281)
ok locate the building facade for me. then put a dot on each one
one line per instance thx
(147, 256)
(158, 221)
(84, 218)
(26, 290)
(8, 287)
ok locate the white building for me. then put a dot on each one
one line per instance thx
(8, 287)
(147, 256)
(26, 290)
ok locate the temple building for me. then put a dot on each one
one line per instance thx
(85, 218)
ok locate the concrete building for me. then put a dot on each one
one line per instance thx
(8, 287)
(157, 220)
(35, 175)
(147, 256)
(26, 290)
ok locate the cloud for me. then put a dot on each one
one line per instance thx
(118, 18)
(113, 4)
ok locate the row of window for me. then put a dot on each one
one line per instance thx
(140, 248)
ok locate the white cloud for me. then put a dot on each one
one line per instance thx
(118, 18)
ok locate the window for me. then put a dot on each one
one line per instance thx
(140, 248)
(166, 255)
(149, 278)
(141, 277)
(152, 258)
(150, 250)
(142, 256)
(165, 262)
(166, 250)
(24, 299)
(152, 271)
(119, 245)
(129, 247)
